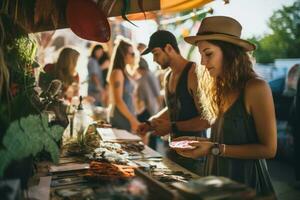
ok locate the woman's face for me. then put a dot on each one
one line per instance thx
(211, 58)
(129, 57)
(98, 53)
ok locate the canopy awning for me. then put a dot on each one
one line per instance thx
(169, 6)
(43, 15)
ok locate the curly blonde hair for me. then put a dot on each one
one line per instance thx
(237, 70)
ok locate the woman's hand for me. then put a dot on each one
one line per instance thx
(202, 149)
(134, 123)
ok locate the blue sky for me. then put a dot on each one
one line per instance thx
(252, 14)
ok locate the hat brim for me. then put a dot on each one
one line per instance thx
(248, 46)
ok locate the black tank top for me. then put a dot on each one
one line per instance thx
(181, 105)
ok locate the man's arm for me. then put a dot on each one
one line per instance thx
(194, 124)
(161, 115)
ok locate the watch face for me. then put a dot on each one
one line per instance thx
(215, 151)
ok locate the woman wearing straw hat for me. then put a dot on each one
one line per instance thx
(239, 105)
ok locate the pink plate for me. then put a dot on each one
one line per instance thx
(183, 144)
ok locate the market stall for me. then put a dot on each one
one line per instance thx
(113, 164)
(93, 162)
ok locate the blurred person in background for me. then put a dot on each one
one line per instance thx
(95, 79)
(297, 135)
(121, 88)
(292, 89)
(104, 62)
(141, 47)
(65, 71)
(148, 95)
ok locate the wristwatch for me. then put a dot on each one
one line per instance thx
(215, 149)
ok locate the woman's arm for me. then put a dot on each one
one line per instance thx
(117, 85)
(259, 103)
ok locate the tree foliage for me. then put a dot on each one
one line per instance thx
(284, 41)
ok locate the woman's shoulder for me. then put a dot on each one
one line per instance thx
(117, 73)
(256, 88)
(256, 84)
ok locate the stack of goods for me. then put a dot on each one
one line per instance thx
(111, 146)
(133, 147)
(108, 171)
(212, 187)
(109, 155)
(168, 176)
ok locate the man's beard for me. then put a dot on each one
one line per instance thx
(165, 64)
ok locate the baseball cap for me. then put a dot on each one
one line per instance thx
(160, 39)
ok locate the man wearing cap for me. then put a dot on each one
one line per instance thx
(182, 115)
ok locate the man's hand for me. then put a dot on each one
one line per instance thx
(161, 126)
(143, 128)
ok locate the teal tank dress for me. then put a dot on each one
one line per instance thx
(237, 127)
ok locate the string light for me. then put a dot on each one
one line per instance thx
(185, 17)
(210, 11)
(226, 2)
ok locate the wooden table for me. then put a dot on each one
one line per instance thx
(156, 188)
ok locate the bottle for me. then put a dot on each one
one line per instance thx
(80, 121)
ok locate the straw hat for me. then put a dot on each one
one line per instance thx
(221, 28)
